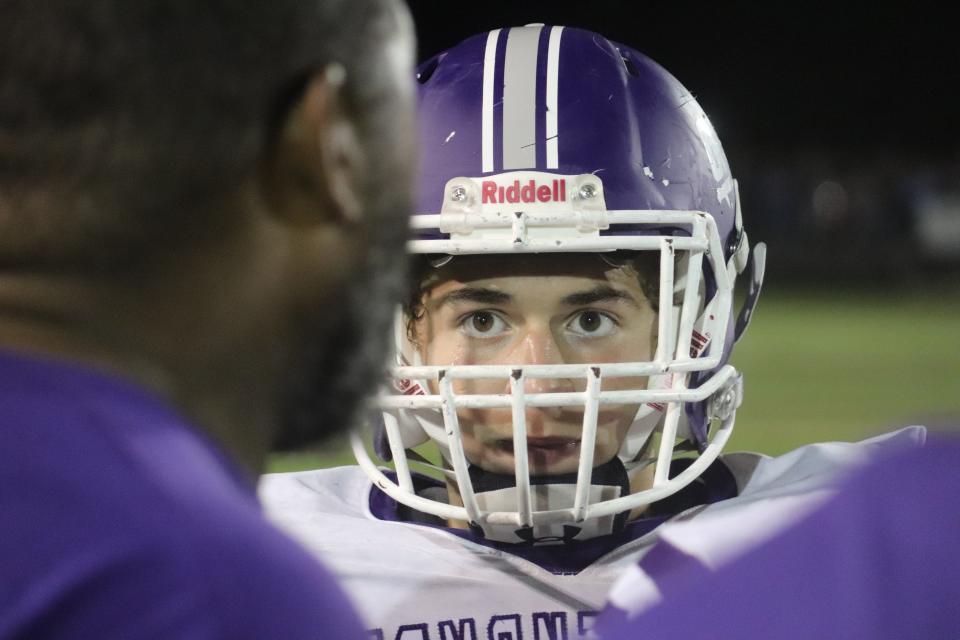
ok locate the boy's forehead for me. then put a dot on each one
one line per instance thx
(566, 279)
(483, 267)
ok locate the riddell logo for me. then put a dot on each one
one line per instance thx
(492, 193)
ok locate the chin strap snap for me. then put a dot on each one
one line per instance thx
(727, 399)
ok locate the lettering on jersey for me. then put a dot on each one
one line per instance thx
(413, 632)
(539, 625)
(492, 193)
(505, 628)
(553, 624)
(586, 620)
(467, 629)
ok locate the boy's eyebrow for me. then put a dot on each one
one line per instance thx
(478, 295)
(599, 293)
(481, 295)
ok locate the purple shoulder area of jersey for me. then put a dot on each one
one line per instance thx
(879, 560)
(716, 484)
(119, 519)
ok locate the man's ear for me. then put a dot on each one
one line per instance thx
(312, 173)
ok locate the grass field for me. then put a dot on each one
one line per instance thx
(837, 366)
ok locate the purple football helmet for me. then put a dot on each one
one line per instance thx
(549, 139)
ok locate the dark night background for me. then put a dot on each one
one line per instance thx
(839, 120)
(841, 123)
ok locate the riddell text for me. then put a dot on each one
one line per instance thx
(492, 193)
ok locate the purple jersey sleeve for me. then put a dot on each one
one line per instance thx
(118, 519)
(880, 560)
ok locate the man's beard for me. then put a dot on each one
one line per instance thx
(343, 350)
(342, 360)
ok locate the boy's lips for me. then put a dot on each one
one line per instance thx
(549, 442)
(545, 451)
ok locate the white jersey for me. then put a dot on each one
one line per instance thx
(417, 582)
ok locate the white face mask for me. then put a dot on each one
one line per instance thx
(692, 340)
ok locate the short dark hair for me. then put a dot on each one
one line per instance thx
(121, 121)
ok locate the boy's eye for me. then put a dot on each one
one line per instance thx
(482, 321)
(482, 324)
(592, 323)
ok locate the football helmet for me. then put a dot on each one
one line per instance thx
(550, 139)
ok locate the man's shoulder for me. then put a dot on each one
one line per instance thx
(268, 583)
(96, 443)
(871, 562)
(197, 550)
(115, 501)
(775, 493)
(183, 572)
(250, 574)
(814, 465)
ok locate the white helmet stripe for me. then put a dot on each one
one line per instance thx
(489, 68)
(553, 70)
(520, 99)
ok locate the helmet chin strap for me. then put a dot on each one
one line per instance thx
(498, 492)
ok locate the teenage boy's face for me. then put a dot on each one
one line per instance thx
(544, 309)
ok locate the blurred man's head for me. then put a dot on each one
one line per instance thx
(208, 192)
